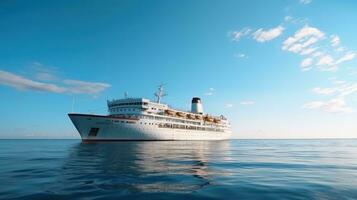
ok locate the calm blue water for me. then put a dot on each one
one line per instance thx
(236, 169)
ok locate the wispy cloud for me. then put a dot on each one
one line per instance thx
(210, 92)
(305, 1)
(43, 72)
(288, 18)
(306, 64)
(324, 91)
(22, 83)
(326, 63)
(307, 51)
(318, 50)
(347, 57)
(228, 105)
(237, 35)
(247, 102)
(335, 40)
(312, 43)
(337, 105)
(71, 86)
(303, 38)
(240, 55)
(295, 20)
(82, 87)
(262, 35)
(341, 90)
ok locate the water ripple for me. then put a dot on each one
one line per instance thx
(236, 169)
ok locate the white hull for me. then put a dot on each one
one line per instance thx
(96, 127)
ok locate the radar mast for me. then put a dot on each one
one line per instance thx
(160, 93)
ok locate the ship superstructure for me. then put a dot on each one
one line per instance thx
(142, 119)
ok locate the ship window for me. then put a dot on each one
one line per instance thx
(93, 132)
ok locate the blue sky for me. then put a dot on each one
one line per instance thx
(283, 69)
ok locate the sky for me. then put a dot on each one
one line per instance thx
(277, 69)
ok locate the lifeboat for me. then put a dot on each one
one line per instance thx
(198, 116)
(180, 114)
(209, 119)
(191, 116)
(216, 120)
(170, 112)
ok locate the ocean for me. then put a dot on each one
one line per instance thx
(235, 169)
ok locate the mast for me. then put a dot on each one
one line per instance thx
(160, 93)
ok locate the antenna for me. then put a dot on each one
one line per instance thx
(160, 93)
(125, 95)
(73, 102)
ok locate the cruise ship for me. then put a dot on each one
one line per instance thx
(142, 119)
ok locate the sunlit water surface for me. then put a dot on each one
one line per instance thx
(236, 169)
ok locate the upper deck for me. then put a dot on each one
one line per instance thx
(141, 106)
(135, 106)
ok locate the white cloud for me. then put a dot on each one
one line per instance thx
(310, 41)
(248, 102)
(210, 92)
(44, 76)
(338, 82)
(265, 35)
(327, 63)
(228, 105)
(240, 55)
(43, 72)
(19, 82)
(296, 48)
(305, 1)
(308, 31)
(318, 54)
(342, 89)
(340, 49)
(325, 60)
(347, 57)
(288, 18)
(307, 62)
(83, 87)
(302, 38)
(308, 51)
(324, 91)
(337, 105)
(348, 89)
(335, 40)
(73, 86)
(237, 35)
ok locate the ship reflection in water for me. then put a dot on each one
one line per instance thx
(235, 169)
(131, 167)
